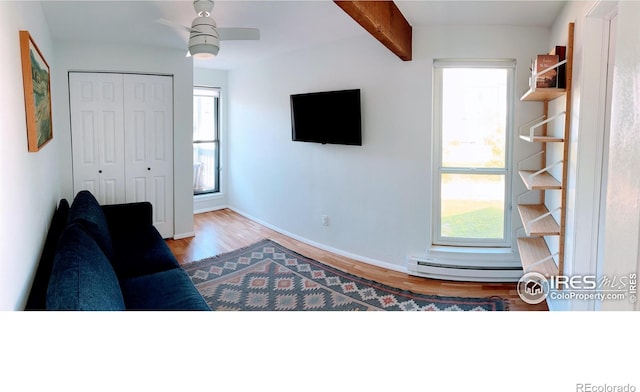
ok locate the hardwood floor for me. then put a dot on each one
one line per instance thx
(225, 230)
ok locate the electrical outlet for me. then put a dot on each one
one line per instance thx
(325, 220)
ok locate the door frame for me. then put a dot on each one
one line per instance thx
(592, 155)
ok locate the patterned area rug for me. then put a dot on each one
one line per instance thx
(267, 276)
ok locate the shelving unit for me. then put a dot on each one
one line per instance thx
(536, 257)
(542, 181)
(543, 94)
(538, 219)
(541, 122)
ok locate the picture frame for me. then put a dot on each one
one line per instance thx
(36, 78)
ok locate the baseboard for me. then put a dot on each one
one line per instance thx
(184, 235)
(209, 209)
(363, 259)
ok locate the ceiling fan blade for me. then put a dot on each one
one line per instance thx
(238, 33)
(174, 25)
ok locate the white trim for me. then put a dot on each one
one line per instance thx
(367, 260)
(206, 91)
(209, 202)
(587, 220)
(210, 209)
(215, 92)
(435, 236)
(474, 63)
(184, 235)
(608, 12)
(468, 257)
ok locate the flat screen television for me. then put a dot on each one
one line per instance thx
(328, 117)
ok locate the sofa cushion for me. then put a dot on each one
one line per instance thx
(86, 211)
(167, 290)
(82, 277)
(141, 253)
(128, 217)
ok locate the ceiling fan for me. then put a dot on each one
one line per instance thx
(205, 35)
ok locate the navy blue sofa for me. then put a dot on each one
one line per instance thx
(109, 258)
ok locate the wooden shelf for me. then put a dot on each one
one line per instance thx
(545, 226)
(542, 139)
(542, 181)
(538, 222)
(543, 94)
(532, 251)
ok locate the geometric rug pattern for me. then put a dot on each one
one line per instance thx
(266, 276)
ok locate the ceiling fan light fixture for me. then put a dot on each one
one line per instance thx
(204, 37)
(204, 42)
(203, 51)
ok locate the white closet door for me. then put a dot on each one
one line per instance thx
(148, 119)
(97, 134)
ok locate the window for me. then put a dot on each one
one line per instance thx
(473, 104)
(206, 142)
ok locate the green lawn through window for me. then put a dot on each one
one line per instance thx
(472, 219)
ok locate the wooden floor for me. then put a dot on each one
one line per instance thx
(224, 230)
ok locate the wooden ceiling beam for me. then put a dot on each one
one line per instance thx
(384, 21)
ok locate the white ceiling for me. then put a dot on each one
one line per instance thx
(284, 25)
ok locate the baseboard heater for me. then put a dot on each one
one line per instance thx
(447, 270)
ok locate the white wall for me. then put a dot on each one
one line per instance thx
(29, 182)
(121, 58)
(622, 226)
(586, 133)
(215, 78)
(377, 196)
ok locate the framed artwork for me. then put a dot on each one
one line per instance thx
(36, 78)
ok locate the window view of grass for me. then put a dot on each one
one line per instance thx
(473, 156)
(472, 206)
(472, 219)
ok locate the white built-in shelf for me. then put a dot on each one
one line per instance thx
(541, 181)
(543, 94)
(537, 220)
(535, 256)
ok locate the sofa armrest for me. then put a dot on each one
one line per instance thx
(38, 294)
(128, 217)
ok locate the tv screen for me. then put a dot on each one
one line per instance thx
(328, 117)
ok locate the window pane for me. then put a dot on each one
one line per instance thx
(205, 175)
(204, 118)
(472, 206)
(474, 117)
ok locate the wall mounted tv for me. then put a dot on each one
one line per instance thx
(328, 117)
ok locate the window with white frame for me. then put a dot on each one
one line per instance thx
(473, 110)
(206, 142)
